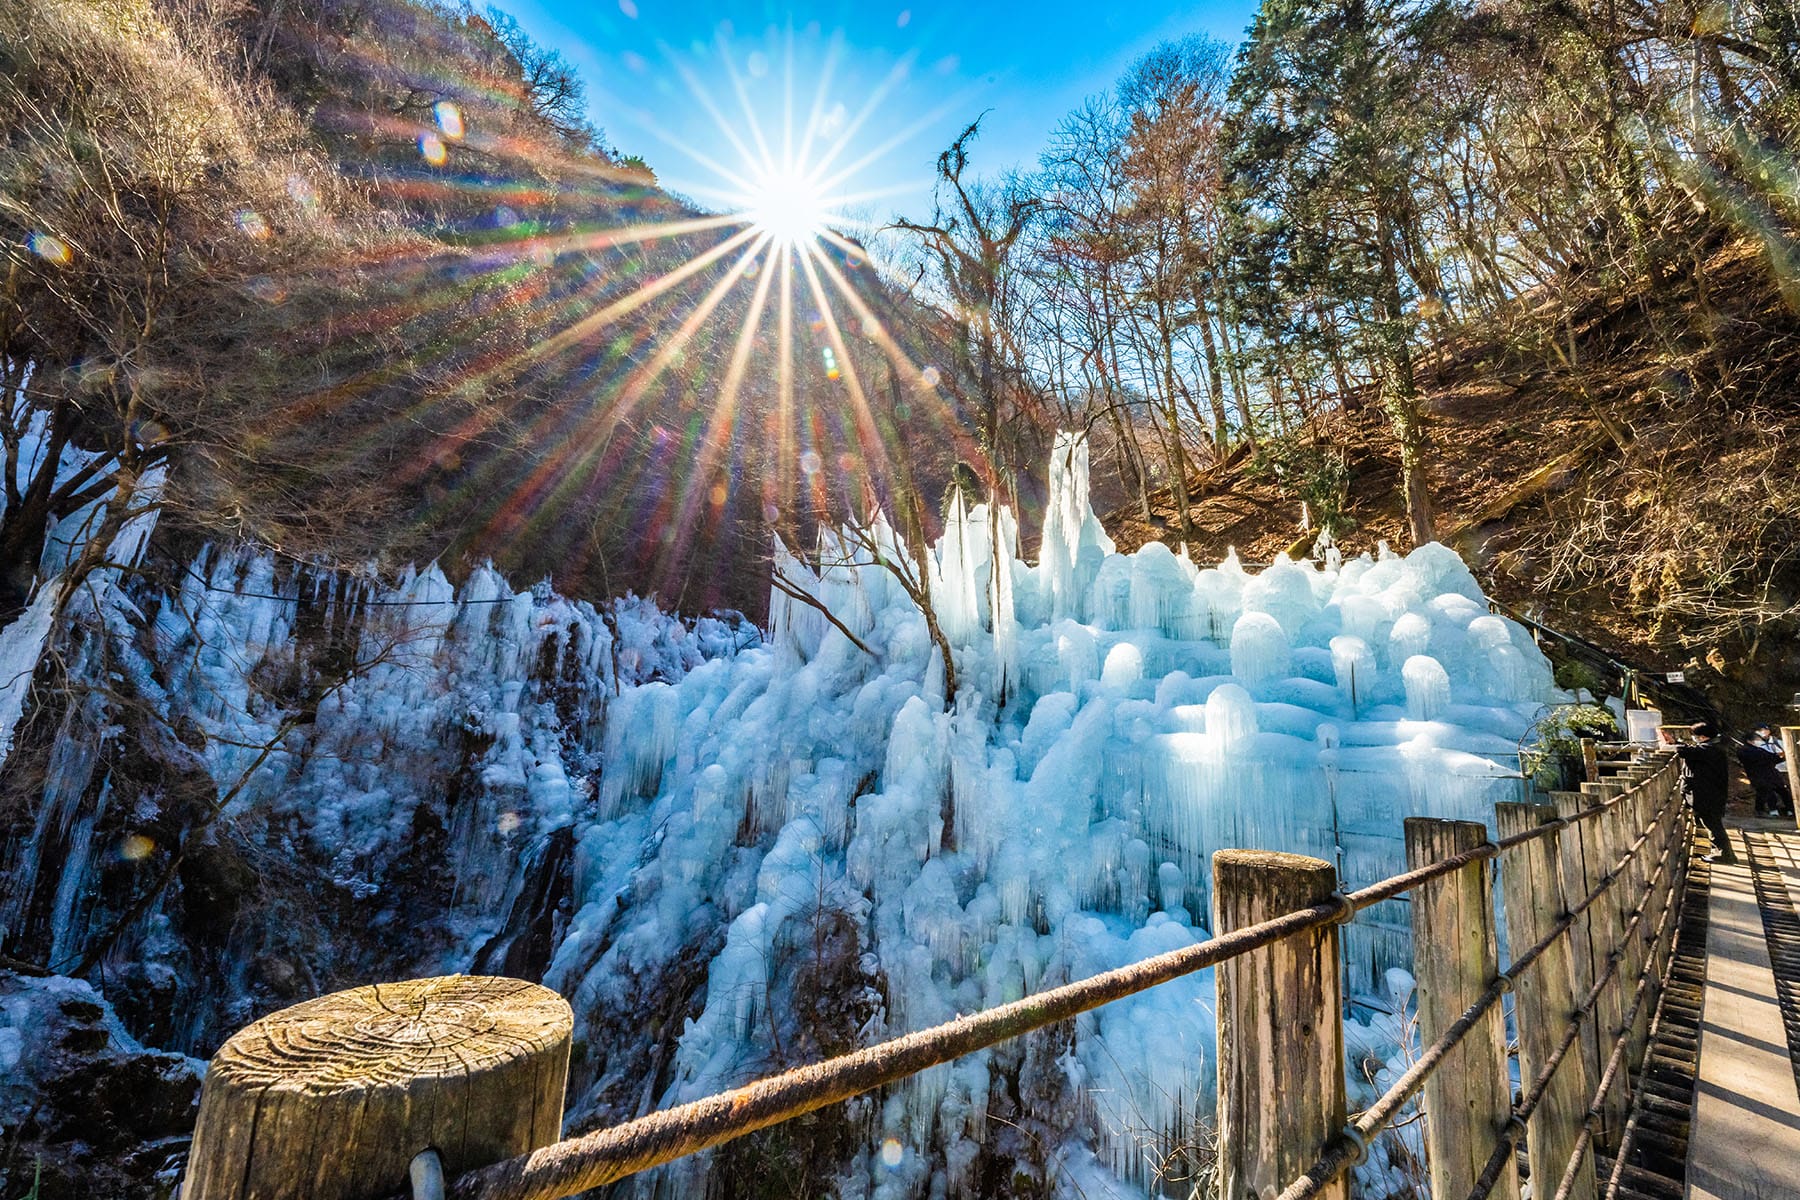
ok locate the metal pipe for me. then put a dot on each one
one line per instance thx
(427, 1171)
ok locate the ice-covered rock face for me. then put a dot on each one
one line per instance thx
(411, 756)
(1120, 718)
(776, 852)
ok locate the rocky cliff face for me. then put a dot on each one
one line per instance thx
(86, 1109)
(269, 783)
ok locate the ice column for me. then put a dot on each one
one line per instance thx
(1259, 649)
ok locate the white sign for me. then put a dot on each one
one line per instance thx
(1676, 677)
(1641, 725)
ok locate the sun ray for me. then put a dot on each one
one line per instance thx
(711, 106)
(787, 458)
(868, 436)
(557, 473)
(895, 140)
(882, 265)
(662, 364)
(743, 95)
(732, 177)
(787, 97)
(724, 417)
(594, 322)
(816, 117)
(895, 75)
(897, 355)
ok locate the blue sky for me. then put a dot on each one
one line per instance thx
(928, 66)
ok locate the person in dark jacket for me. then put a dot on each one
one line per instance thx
(1766, 766)
(1706, 778)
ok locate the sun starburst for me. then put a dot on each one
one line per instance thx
(789, 205)
(696, 337)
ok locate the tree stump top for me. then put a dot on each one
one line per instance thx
(395, 1035)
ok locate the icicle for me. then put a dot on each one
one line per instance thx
(1259, 648)
(1427, 687)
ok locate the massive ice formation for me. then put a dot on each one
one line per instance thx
(1120, 717)
(781, 850)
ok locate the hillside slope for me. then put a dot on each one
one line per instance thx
(1641, 492)
(386, 298)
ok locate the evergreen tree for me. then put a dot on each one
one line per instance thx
(1328, 125)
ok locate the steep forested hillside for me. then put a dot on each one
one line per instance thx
(1620, 467)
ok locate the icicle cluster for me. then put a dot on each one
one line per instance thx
(1119, 718)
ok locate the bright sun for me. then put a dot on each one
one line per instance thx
(788, 206)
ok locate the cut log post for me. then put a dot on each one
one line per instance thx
(1468, 1100)
(1578, 846)
(332, 1098)
(1281, 1030)
(1545, 998)
(1608, 932)
(1590, 760)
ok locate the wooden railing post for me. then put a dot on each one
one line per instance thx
(1545, 997)
(1468, 1099)
(1671, 840)
(1576, 847)
(1607, 930)
(1590, 760)
(1634, 818)
(333, 1098)
(1281, 1030)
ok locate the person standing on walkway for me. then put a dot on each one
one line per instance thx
(1706, 778)
(1766, 765)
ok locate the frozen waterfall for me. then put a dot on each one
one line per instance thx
(1154, 711)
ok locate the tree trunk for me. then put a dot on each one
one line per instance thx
(1178, 453)
(910, 506)
(1400, 393)
(1215, 384)
(23, 530)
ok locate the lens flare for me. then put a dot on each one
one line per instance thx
(705, 353)
(49, 248)
(449, 119)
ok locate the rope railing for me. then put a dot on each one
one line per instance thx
(1353, 1143)
(610, 1154)
(1590, 893)
(1532, 1097)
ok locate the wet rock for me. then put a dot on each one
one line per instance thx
(85, 1110)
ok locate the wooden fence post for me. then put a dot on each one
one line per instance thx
(1607, 931)
(331, 1099)
(1281, 1029)
(1468, 1100)
(1634, 820)
(1545, 997)
(1574, 844)
(1590, 760)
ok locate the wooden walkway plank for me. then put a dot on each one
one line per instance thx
(1745, 1142)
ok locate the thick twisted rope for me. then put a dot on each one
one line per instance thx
(611, 1154)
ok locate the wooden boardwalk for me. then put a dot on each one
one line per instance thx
(1745, 1140)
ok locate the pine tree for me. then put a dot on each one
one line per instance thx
(1328, 123)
